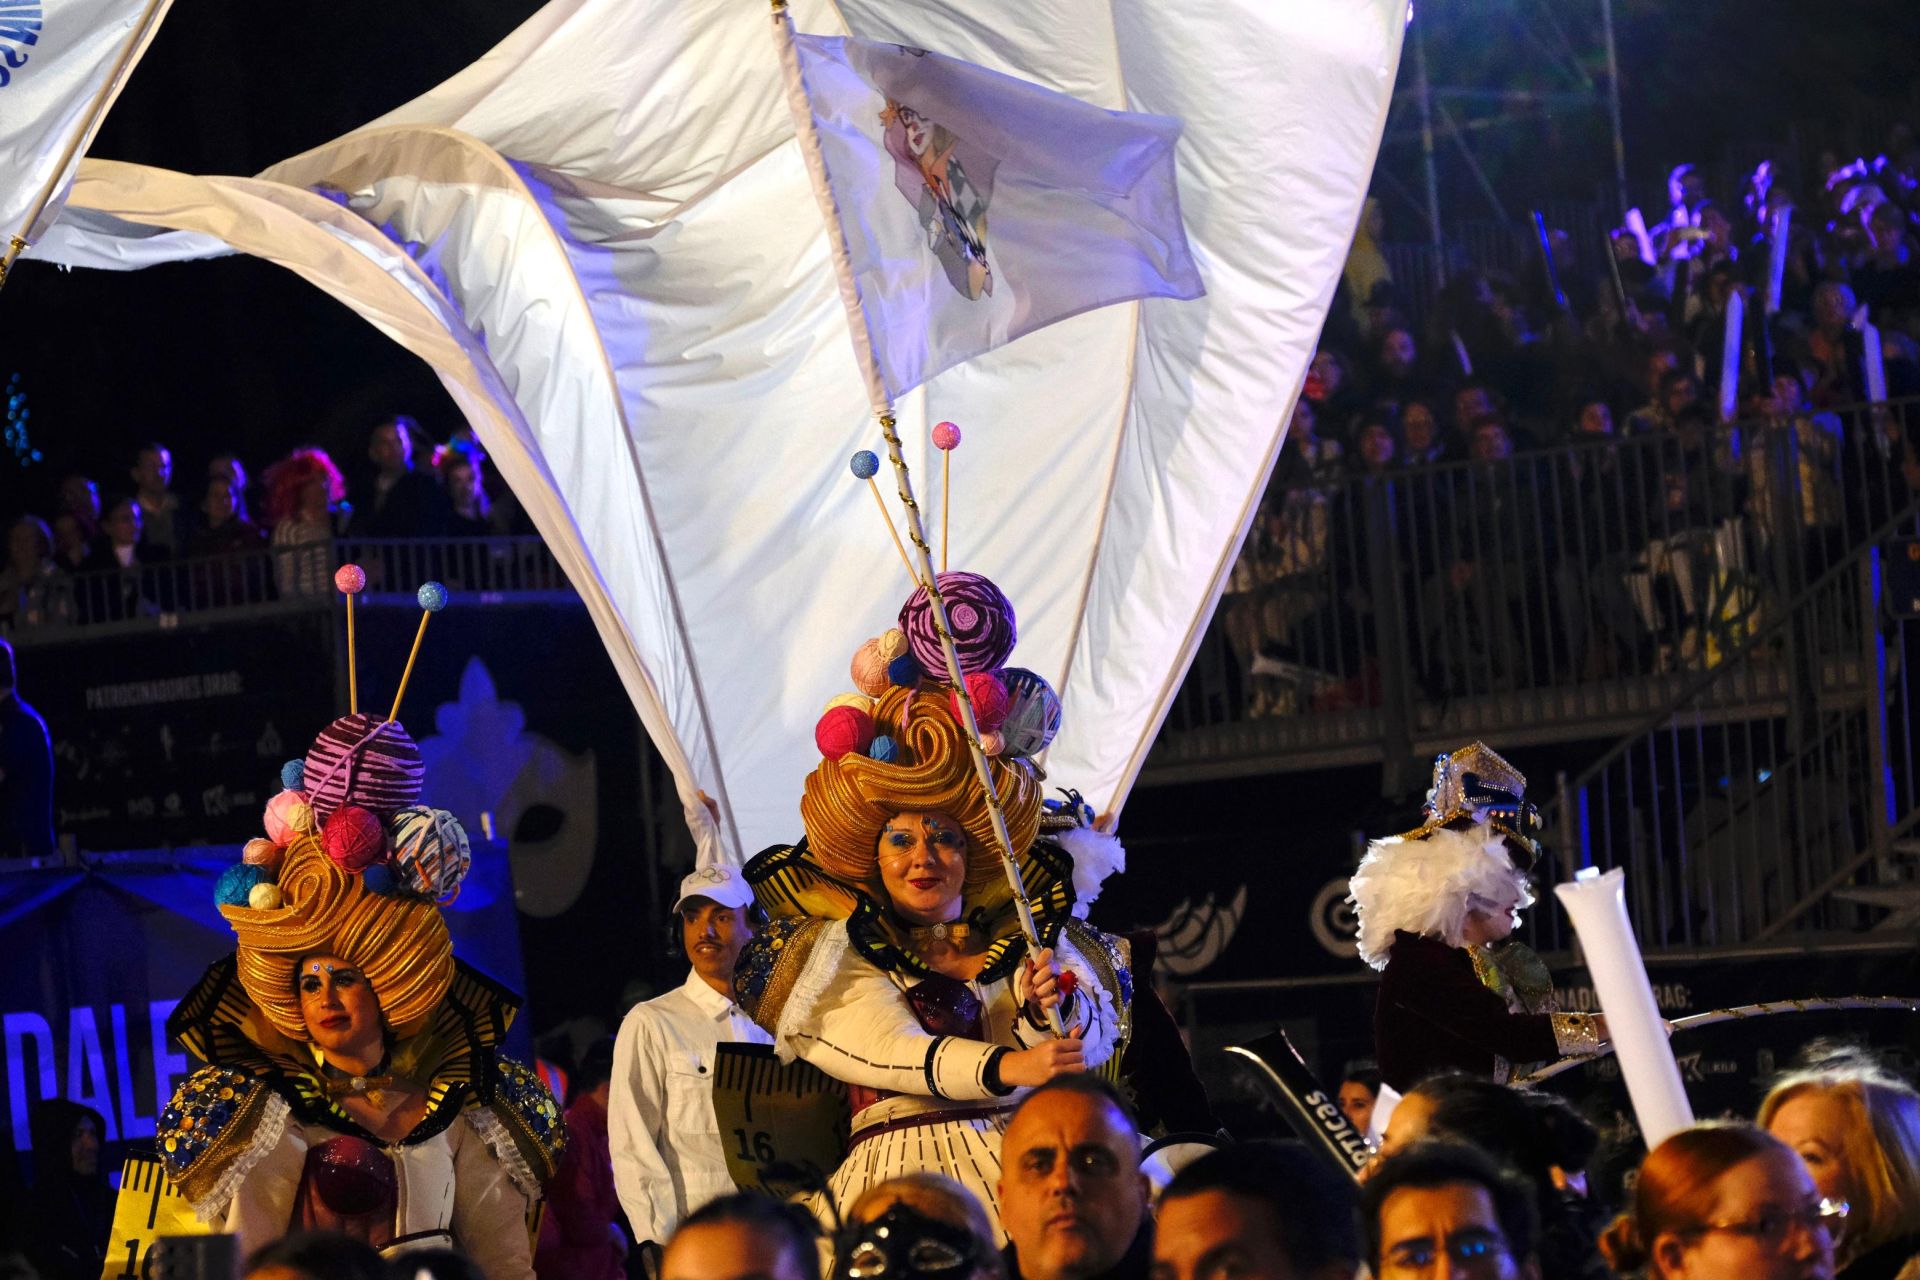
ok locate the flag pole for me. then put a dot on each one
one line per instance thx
(882, 406)
(17, 242)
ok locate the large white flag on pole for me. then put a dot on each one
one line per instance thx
(62, 63)
(978, 207)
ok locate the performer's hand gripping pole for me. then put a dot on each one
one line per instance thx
(882, 404)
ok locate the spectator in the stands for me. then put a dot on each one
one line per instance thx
(71, 543)
(302, 491)
(26, 770)
(396, 498)
(461, 472)
(1359, 1093)
(224, 531)
(34, 590)
(69, 1212)
(162, 525)
(1421, 440)
(1330, 392)
(1397, 375)
(1834, 352)
(117, 587)
(1653, 416)
(80, 498)
(227, 466)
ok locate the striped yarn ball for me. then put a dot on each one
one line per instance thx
(363, 760)
(430, 851)
(981, 619)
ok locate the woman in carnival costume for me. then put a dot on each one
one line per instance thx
(893, 959)
(1436, 908)
(353, 1081)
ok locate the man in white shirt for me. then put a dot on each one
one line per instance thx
(667, 1157)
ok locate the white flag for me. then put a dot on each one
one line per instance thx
(62, 63)
(978, 207)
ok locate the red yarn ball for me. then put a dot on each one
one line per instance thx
(990, 701)
(843, 730)
(354, 838)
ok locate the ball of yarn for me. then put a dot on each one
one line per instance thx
(293, 775)
(289, 816)
(870, 669)
(432, 597)
(1033, 712)
(858, 701)
(979, 616)
(842, 731)
(989, 698)
(946, 436)
(354, 838)
(236, 884)
(262, 853)
(903, 671)
(993, 744)
(892, 642)
(883, 749)
(351, 579)
(363, 760)
(266, 896)
(865, 465)
(430, 851)
(379, 879)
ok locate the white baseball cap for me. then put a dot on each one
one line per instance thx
(725, 885)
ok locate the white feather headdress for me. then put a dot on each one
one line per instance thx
(1422, 886)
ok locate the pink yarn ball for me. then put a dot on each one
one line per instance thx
(870, 669)
(263, 853)
(289, 816)
(989, 699)
(843, 731)
(351, 579)
(360, 759)
(946, 435)
(354, 838)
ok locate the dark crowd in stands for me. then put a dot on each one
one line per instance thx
(151, 537)
(1471, 1178)
(1549, 450)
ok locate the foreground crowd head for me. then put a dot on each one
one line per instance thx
(1449, 1209)
(1724, 1202)
(1072, 1197)
(1857, 1129)
(922, 1226)
(745, 1236)
(1256, 1211)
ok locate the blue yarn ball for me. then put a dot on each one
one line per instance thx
(904, 671)
(236, 882)
(432, 597)
(865, 464)
(379, 879)
(883, 749)
(293, 775)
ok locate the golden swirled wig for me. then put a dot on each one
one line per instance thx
(400, 944)
(848, 801)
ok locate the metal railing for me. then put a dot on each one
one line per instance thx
(1786, 820)
(1561, 592)
(58, 605)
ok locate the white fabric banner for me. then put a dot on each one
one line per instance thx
(979, 207)
(62, 62)
(610, 216)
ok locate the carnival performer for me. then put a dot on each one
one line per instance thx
(1436, 909)
(353, 1080)
(893, 959)
(667, 1157)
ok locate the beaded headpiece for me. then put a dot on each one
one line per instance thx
(1474, 784)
